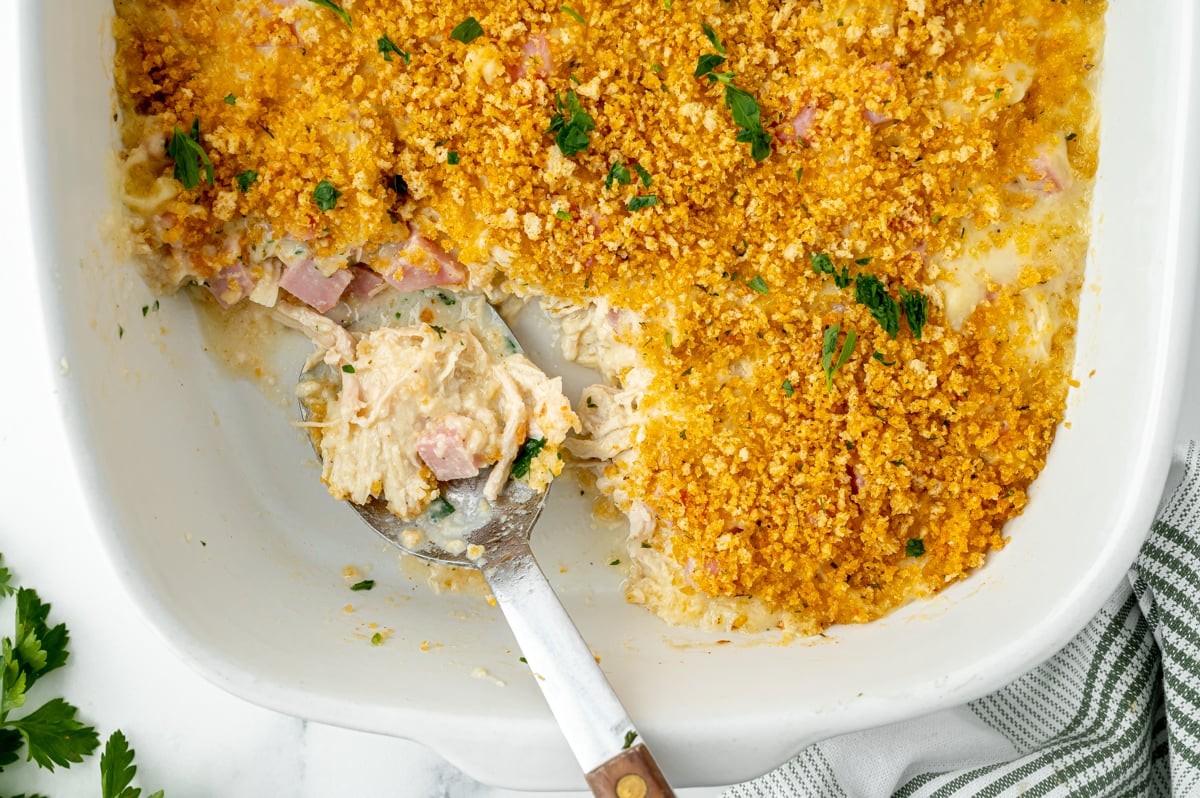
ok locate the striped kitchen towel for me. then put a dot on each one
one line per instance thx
(1115, 713)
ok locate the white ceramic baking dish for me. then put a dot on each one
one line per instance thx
(213, 515)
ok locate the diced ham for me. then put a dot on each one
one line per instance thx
(535, 58)
(304, 281)
(409, 266)
(446, 445)
(800, 126)
(231, 285)
(365, 284)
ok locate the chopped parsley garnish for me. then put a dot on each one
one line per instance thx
(377, 639)
(439, 508)
(799, 174)
(335, 8)
(788, 390)
(707, 63)
(452, 157)
(829, 347)
(439, 330)
(467, 31)
(712, 37)
(870, 291)
(643, 175)
(245, 180)
(446, 298)
(617, 173)
(348, 368)
(564, 216)
(758, 285)
(230, 99)
(400, 185)
(188, 155)
(642, 201)
(591, 403)
(571, 125)
(387, 47)
(915, 306)
(745, 111)
(615, 562)
(823, 264)
(915, 547)
(575, 15)
(365, 584)
(630, 736)
(325, 195)
(879, 356)
(863, 261)
(1071, 136)
(529, 450)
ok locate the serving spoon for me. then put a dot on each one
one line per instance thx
(493, 538)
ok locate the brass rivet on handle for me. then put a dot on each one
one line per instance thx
(631, 785)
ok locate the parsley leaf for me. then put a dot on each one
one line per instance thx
(829, 347)
(335, 8)
(788, 388)
(915, 547)
(879, 356)
(38, 648)
(574, 15)
(325, 195)
(630, 736)
(758, 284)
(571, 125)
(184, 148)
(642, 201)
(245, 180)
(6, 587)
(452, 157)
(10, 747)
(387, 47)
(439, 508)
(365, 584)
(117, 769)
(871, 292)
(467, 31)
(712, 37)
(915, 306)
(529, 450)
(617, 172)
(746, 115)
(643, 175)
(230, 99)
(707, 63)
(54, 736)
(823, 264)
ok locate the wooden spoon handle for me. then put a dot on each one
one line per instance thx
(630, 774)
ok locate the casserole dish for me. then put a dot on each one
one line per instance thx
(213, 515)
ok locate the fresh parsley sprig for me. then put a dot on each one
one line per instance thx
(529, 450)
(570, 125)
(187, 153)
(117, 769)
(51, 734)
(741, 104)
(829, 346)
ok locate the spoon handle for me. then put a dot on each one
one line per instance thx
(596, 725)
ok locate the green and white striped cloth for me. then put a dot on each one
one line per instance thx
(1115, 713)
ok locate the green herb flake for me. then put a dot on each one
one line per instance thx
(365, 584)
(591, 403)
(570, 125)
(799, 174)
(619, 174)
(706, 63)
(575, 15)
(564, 216)
(758, 285)
(879, 356)
(187, 153)
(441, 331)
(377, 639)
(615, 562)
(863, 261)
(245, 180)
(630, 736)
(529, 450)
(447, 300)
(1071, 136)
(646, 545)
(230, 99)
(326, 196)
(335, 8)
(870, 291)
(348, 368)
(643, 175)
(452, 157)
(915, 547)
(467, 31)
(641, 202)
(829, 347)
(788, 389)
(916, 308)
(439, 508)
(387, 47)
(711, 35)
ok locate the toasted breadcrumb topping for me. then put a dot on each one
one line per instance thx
(907, 139)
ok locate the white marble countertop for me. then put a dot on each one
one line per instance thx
(192, 738)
